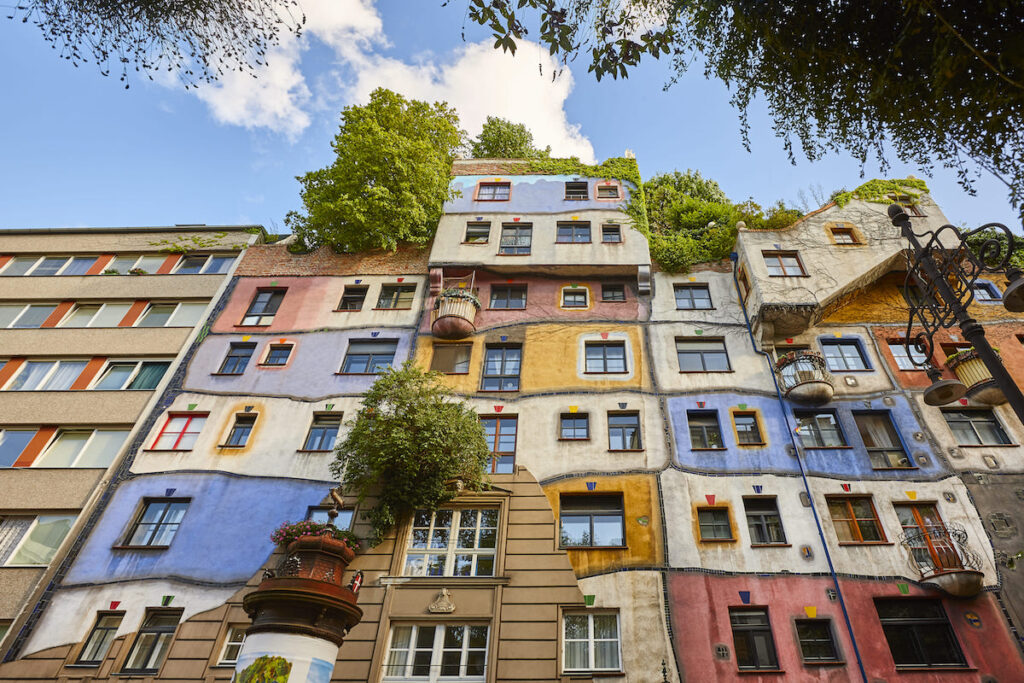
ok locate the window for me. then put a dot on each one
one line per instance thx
(883, 443)
(352, 298)
(574, 297)
(702, 355)
(5, 626)
(477, 233)
(263, 307)
(744, 285)
(83, 448)
(501, 368)
(714, 524)
(48, 265)
(20, 316)
(855, 519)
(764, 521)
(611, 234)
(907, 202)
(185, 314)
(591, 642)
(914, 360)
(240, 431)
(817, 643)
(844, 234)
(508, 296)
(605, 357)
(573, 232)
(748, 431)
(574, 427)
(180, 432)
(49, 375)
(818, 429)
(368, 357)
(591, 521)
(121, 264)
(323, 432)
(131, 375)
(515, 238)
(692, 297)
(624, 432)
(752, 638)
(500, 433)
(237, 358)
(613, 292)
(843, 356)
(396, 296)
(96, 315)
(207, 265)
(232, 645)
(152, 642)
(451, 359)
(704, 430)
(157, 523)
(927, 537)
(986, 292)
(97, 643)
(918, 633)
(975, 427)
(607, 191)
(576, 190)
(493, 192)
(278, 354)
(428, 652)
(32, 541)
(12, 443)
(459, 542)
(783, 264)
(342, 521)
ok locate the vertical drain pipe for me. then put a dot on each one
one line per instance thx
(734, 257)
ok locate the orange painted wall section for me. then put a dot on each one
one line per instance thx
(100, 265)
(8, 369)
(35, 447)
(168, 265)
(133, 313)
(58, 314)
(89, 373)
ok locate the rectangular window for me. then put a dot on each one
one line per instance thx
(83, 448)
(624, 432)
(591, 642)
(918, 633)
(607, 191)
(516, 238)
(501, 368)
(352, 298)
(323, 432)
(702, 355)
(576, 190)
(263, 307)
(232, 645)
(95, 315)
(748, 431)
(493, 192)
(97, 643)
(714, 524)
(32, 541)
(278, 354)
(459, 542)
(152, 641)
(12, 443)
(844, 236)
(976, 428)
(744, 285)
(704, 430)
(752, 639)
(121, 265)
(451, 359)
(19, 265)
(605, 357)
(478, 233)
(237, 358)
(48, 265)
(428, 653)
(611, 234)
(572, 232)
(883, 443)
(201, 263)
(764, 521)
(613, 293)
(907, 202)
(574, 298)
(500, 433)
(342, 521)
(20, 316)
(817, 644)
(185, 314)
(180, 432)
(368, 357)
(783, 264)
(49, 375)
(818, 429)
(131, 375)
(842, 356)
(396, 296)
(692, 297)
(574, 427)
(986, 292)
(912, 360)
(855, 519)
(508, 296)
(589, 521)
(157, 522)
(927, 537)
(240, 431)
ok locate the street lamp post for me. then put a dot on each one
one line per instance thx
(944, 278)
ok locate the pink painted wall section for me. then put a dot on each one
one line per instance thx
(700, 620)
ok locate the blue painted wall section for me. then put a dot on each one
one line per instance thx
(532, 194)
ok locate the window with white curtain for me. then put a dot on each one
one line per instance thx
(428, 653)
(185, 314)
(83, 448)
(46, 375)
(591, 642)
(96, 315)
(31, 540)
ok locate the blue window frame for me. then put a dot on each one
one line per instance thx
(986, 293)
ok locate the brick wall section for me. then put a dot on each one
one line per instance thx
(723, 266)
(495, 167)
(268, 260)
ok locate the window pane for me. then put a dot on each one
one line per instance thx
(188, 314)
(43, 540)
(110, 315)
(150, 264)
(34, 316)
(80, 316)
(190, 265)
(64, 449)
(12, 443)
(19, 265)
(50, 265)
(65, 375)
(149, 376)
(31, 375)
(115, 376)
(122, 264)
(8, 313)
(103, 448)
(156, 315)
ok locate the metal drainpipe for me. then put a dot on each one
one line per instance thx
(734, 257)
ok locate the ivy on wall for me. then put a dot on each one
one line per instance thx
(878, 191)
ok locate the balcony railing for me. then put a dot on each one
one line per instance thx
(454, 314)
(944, 558)
(971, 370)
(804, 378)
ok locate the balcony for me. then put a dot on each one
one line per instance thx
(942, 556)
(804, 378)
(971, 371)
(454, 314)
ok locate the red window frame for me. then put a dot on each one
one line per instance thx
(181, 434)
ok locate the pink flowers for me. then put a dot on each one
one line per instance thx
(290, 531)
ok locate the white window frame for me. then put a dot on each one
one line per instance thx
(206, 263)
(134, 373)
(135, 263)
(39, 260)
(590, 640)
(28, 532)
(222, 660)
(452, 550)
(49, 373)
(102, 306)
(437, 653)
(171, 319)
(24, 309)
(88, 442)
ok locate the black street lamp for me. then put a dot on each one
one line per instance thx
(943, 279)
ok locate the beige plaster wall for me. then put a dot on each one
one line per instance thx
(102, 341)
(71, 407)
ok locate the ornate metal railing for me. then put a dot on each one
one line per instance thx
(941, 549)
(804, 377)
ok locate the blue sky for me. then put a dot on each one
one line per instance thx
(80, 150)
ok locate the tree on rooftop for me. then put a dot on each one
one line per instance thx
(502, 139)
(389, 179)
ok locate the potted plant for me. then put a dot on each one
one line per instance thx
(111, 271)
(137, 271)
(290, 532)
(458, 293)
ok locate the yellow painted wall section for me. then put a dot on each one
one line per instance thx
(642, 518)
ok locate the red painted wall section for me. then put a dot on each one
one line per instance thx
(700, 620)
(168, 265)
(133, 313)
(100, 265)
(35, 447)
(4, 259)
(58, 314)
(8, 369)
(91, 369)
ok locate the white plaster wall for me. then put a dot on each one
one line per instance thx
(1009, 458)
(749, 371)
(869, 382)
(724, 300)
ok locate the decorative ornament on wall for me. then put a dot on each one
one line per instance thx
(903, 588)
(806, 552)
(166, 600)
(758, 488)
(846, 487)
(248, 409)
(374, 333)
(964, 401)
(589, 600)
(246, 337)
(698, 332)
(643, 521)
(710, 498)
(742, 406)
(591, 485)
(888, 400)
(789, 340)
(192, 406)
(832, 594)
(503, 338)
(912, 495)
(622, 406)
(811, 611)
(949, 497)
(701, 404)
(328, 406)
(358, 282)
(498, 409)
(745, 597)
(442, 604)
(516, 219)
(479, 218)
(401, 279)
(169, 492)
(573, 409)
(114, 604)
(273, 283)
(604, 335)
(693, 279)
(918, 436)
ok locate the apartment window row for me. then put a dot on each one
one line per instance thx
(514, 297)
(113, 314)
(575, 190)
(267, 301)
(362, 357)
(63, 375)
(66, 447)
(517, 238)
(180, 431)
(28, 540)
(38, 266)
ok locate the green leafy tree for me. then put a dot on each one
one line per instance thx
(776, 217)
(502, 139)
(407, 444)
(934, 81)
(389, 180)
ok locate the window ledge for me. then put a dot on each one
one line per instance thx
(625, 450)
(908, 667)
(82, 666)
(226, 374)
(716, 540)
(771, 545)
(894, 469)
(722, 448)
(586, 439)
(238, 325)
(593, 547)
(314, 450)
(139, 547)
(476, 244)
(704, 372)
(587, 242)
(828, 448)
(848, 372)
(489, 308)
(359, 374)
(166, 450)
(231, 445)
(501, 254)
(988, 445)
(758, 672)
(710, 308)
(406, 308)
(272, 366)
(856, 543)
(831, 662)
(591, 674)
(450, 581)
(759, 444)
